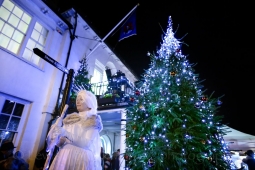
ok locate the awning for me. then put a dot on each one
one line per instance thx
(239, 141)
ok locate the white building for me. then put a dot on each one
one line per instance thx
(29, 86)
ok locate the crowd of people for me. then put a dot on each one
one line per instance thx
(111, 163)
(78, 138)
(247, 163)
(10, 160)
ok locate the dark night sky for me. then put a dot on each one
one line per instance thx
(219, 36)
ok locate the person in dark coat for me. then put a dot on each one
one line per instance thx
(6, 150)
(116, 160)
(249, 160)
(8, 161)
(107, 162)
(41, 159)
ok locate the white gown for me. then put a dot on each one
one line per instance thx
(82, 149)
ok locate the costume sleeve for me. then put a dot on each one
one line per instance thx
(53, 135)
(85, 139)
(97, 151)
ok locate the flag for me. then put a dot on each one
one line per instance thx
(129, 27)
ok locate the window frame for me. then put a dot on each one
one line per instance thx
(27, 36)
(24, 44)
(26, 103)
(99, 88)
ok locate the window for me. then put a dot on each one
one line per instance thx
(99, 80)
(16, 34)
(97, 76)
(14, 24)
(10, 116)
(37, 40)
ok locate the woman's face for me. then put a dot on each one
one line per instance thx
(81, 105)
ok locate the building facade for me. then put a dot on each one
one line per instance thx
(30, 86)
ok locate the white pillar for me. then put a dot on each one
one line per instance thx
(122, 139)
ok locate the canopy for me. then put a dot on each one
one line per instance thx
(239, 141)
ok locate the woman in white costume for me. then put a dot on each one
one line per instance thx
(79, 139)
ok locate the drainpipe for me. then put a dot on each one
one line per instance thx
(72, 37)
(67, 89)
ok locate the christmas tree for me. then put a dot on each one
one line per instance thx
(80, 82)
(174, 124)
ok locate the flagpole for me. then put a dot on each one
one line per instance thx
(111, 31)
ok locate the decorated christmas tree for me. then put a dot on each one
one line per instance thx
(81, 81)
(174, 125)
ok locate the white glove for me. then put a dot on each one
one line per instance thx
(59, 121)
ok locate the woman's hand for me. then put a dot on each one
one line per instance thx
(61, 142)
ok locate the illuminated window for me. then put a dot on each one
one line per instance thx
(99, 79)
(37, 40)
(14, 24)
(14, 31)
(97, 76)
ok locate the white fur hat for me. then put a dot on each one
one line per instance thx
(91, 101)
